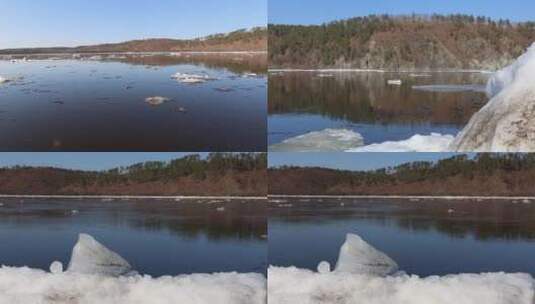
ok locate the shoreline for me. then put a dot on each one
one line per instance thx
(175, 197)
(347, 70)
(134, 53)
(445, 197)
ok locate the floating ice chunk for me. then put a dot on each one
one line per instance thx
(91, 257)
(507, 122)
(56, 267)
(357, 256)
(419, 75)
(325, 140)
(250, 75)
(3, 80)
(156, 100)
(448, 88)
(299, 286)
(394, 82)
(324, 267)
(417, 143)
(191, 78)
(30, 286)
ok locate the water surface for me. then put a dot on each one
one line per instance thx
(426, 237)
(158, 237)
(98, 103)
(424, 103)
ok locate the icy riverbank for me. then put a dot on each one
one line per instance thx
(98, 275)
(365, 275)
(30, 286)
(507, 122)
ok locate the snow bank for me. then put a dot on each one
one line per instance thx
(157, 100)
(30, 286)
(300, 286)
(507, 122)
(317, 141)
(99, 275)
(191, 78)
(418, 143)
(91, 257)
(357, 256)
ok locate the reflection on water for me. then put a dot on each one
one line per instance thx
(425, 237)
(98, 103)
(158, 237)
(364, 101)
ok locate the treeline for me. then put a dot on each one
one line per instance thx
(480, 174)
(400, 42)
(217, 174)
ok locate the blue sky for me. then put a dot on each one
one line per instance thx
(320, 11)
(350, 161)
(84, 161)
(30, 23)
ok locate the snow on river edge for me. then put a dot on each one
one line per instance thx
(99, 275)
(505, 124)
(365, 275)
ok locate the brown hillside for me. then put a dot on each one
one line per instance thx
(401, 43)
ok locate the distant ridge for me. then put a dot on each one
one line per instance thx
(481, 175)
(221, 174)
(254, 39)
(401, 43)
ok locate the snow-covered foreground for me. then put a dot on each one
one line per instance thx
(31, 286)
(365, 275)
(99, 275)
(505, 124)
(300, 286)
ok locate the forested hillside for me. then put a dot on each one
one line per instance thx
(401, 42)
(240, 40)
(483, 174)
(218, 174)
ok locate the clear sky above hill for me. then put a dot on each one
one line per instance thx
(321, 11)
(350, 161)
(30, 23)
(84, 161)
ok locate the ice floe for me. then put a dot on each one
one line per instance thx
(351, 141)
(449, 88)
(507, 122)
(325, 140)
(357, 256)
(394, 82)
(3, 80)
(434, 142)
(157, 100)
(91, 257)
(191, 78)
(366, 277)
